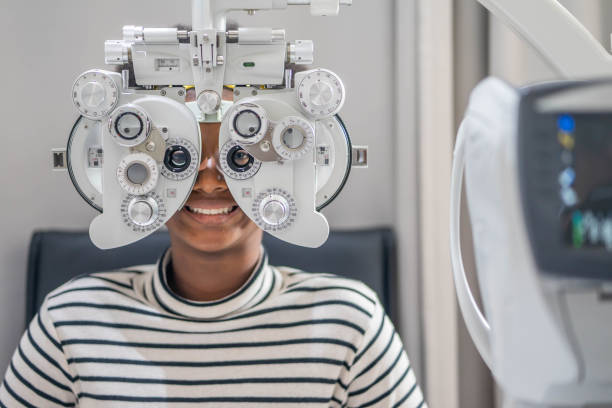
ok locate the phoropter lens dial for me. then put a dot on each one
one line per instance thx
(129, 125)
(236, 162)
(138, 173)
(143, 213)
(180, 160)
(293, 137)
(248, 123)
(320, 93)
(95, 94)
(274, 210)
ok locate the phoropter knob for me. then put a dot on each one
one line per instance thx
(274, 209)
(320, 93)
(209, 102)
(143, 211)
(301, 52)
(94, 94)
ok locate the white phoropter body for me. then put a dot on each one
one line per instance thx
(548, 327)
(134, 152)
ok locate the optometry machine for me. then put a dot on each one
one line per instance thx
(134, 152)
(538, 176)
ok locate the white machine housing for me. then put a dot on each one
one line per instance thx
(544, 335)
(300, 179)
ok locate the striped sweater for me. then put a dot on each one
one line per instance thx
(286, 338)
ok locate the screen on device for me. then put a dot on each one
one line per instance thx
(585, 180)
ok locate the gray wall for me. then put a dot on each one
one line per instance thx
(54, 41)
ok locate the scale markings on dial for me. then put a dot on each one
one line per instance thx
(278, 198)
(159, 214)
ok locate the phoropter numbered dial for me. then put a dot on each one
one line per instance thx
(274, 209)
(293, 137)
(143, 213)
(321, 93)
(95, 94)
(180, 160)
(236, 162)
(248, 123)
(138, 173)
(129, 125)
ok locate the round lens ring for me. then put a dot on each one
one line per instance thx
(247, 123)
(137, 173)
(293, 137)
(239, 160)
(129, 126)
(177, 158)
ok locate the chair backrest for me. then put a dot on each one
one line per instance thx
(57, 256)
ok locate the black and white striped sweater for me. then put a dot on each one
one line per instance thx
(286, 338)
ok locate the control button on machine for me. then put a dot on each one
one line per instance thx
(209, 102)
(274, 210)
(321, 93)
(293, 137)
(138, 173)
(180, 160)
(129, 125)
(237, 163)
(248, 123)
(143, 213)
(94, 94)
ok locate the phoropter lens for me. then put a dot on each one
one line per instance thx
(247, 123)
(129, 125)
(137, 173)
(177, 158)
(293, 137)
(239, 160)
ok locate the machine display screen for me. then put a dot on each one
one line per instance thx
(585, 180)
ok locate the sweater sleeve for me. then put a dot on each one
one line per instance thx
(38, 374)
(381, 375)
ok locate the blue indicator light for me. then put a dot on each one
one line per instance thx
(566, 123)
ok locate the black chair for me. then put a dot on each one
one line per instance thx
(57, 256)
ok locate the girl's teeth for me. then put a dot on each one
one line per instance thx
(207, 211)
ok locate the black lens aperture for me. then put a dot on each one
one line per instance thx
(177, 158)
(239, 160)
(247, 123)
